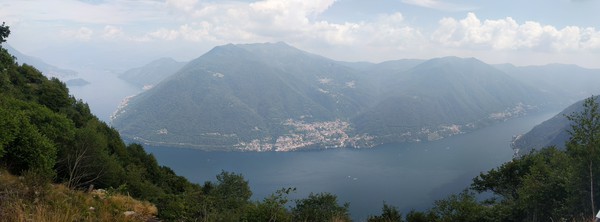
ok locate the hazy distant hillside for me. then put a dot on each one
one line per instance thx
(445, 96)
(46, 69)
(275, 97)
(552, 132)
(565, 83)
(153, 72)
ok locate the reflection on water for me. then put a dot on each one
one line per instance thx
(409, 176)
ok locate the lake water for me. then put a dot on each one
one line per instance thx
(409, 176)
(104, 93)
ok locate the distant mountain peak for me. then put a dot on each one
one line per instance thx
(455, 60)
(452, 64)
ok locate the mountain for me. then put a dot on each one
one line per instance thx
(153, 72)
(552, 132)
(442, 97)
(46, 69)
(273, 96)
(566, 84)
(256, 96)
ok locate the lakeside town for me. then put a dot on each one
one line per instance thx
(304, 135)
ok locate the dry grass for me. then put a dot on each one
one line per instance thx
(22, 200)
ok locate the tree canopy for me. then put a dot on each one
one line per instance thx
(4, 32)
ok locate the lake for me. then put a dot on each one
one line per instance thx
(408, 176)
(104, 93)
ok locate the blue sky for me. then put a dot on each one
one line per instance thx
(525, 32)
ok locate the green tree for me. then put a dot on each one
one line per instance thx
(4, 32)
(233, 191)
(545, 189)
(388, 214)
(54, 94)
(320, 207)
(29, 150)
(418, 216)
(585, 141)
(272, 208)
(226, 200)
(8, 129)
(459, 207)
(505, 180)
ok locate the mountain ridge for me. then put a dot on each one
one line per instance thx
(263, 96)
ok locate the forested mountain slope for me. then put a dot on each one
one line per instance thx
(74, 167)
(442, 97)
(272, 96)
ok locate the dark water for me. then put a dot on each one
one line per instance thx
(409, 176)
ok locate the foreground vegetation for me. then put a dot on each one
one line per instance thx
(27, 199)
(61, 155)
(49, 137)
(545, 185)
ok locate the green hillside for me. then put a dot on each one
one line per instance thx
(58, 162)
(444, 96)
(46, 135)
(234, 95)
(271, 96)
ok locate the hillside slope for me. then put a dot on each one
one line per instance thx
(445, 96)
(552, 132)
(273, 96)
(237, 94)
(48, 136)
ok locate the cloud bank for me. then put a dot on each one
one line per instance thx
(297, 22)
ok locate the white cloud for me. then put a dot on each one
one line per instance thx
(185, 5)
(306, 24)
(507, 34)
(291, 21)
(164, 34)
(112, 32)
(83, 33)
(439, 5)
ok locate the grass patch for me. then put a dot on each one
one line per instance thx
(24, 200)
